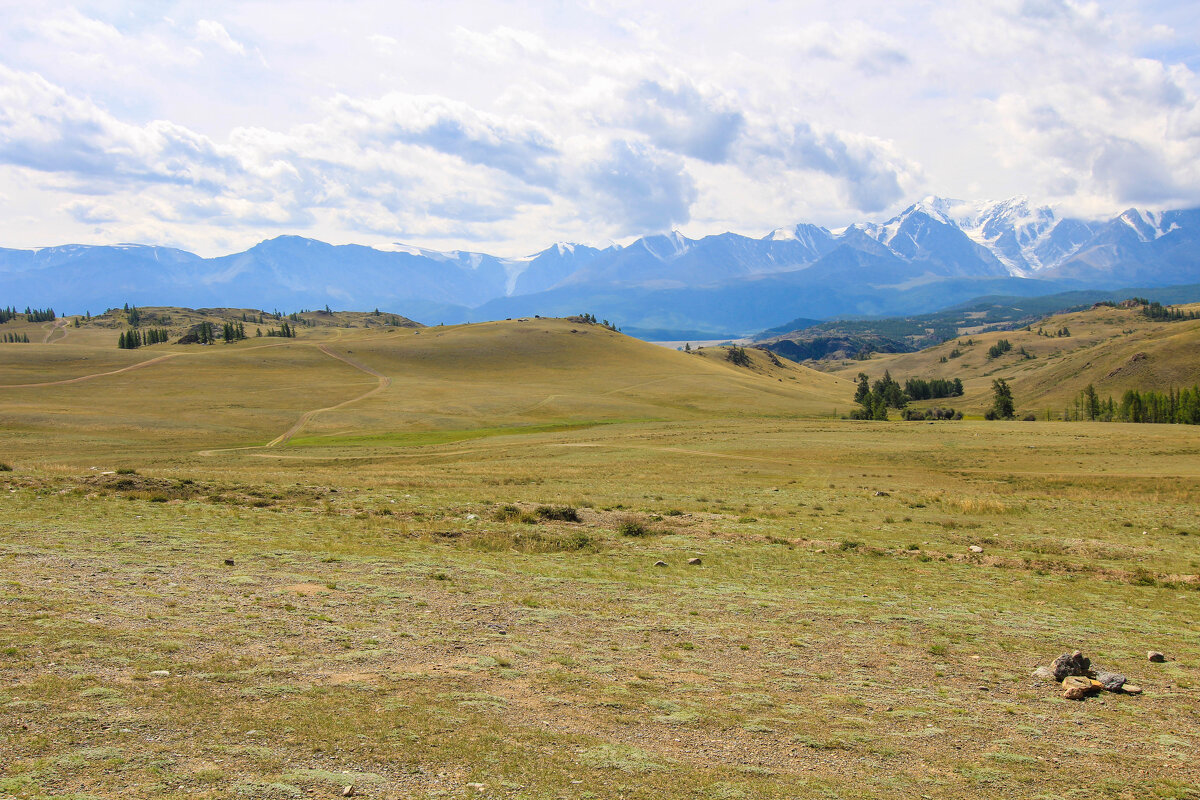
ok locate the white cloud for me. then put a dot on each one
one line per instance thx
(602, 120)
(213, 32)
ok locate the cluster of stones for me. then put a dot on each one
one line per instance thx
(1074, 671)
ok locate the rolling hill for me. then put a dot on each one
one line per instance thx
(1112, 348)
(350, 380)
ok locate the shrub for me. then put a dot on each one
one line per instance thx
(633, 527)
(5, 467)
(508, 513)
(126, 471)
(561, 513)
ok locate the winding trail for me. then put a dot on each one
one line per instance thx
(384, 382)
(64, 381)
(306, 417)
(59, 324)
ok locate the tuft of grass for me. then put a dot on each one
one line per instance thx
(5, 467)
(559, 513)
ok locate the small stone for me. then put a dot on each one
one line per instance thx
(1079, 682)
(1044, 674)
(660, 563)
(1156, 657)
(1075, 693)
(1110, 681)
(1070, 664)
(695, 562)
(472, 516)
(348, 791)
(479, 787)
(882, 494)
(160, 673)
(975, 548)
(229, 562)
(1129, 688)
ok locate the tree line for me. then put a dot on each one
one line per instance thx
(136, 337)
(16, 338)
(1175, 406)
(874, 399)
(30, 314)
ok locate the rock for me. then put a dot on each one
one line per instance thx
(695, 562)
(1129, 688)
(1077, 687)
(975, 548)
(1075, 693)
(882, 494)
(1070, 664)
(1110, 681)
(472, 516)
(1044, 674)
(1156, 657)
(348, 791)
(660, 563)
(479, 787)
(229, 562)
(160, 673)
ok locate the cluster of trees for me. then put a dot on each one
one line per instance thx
(737, 356)
(1157, 311)
(921, 389)
(1064, 331)
(876, 398)
(285, 330)
(590, 319)
(999, 348)
(135, 338)
(233, 332)
(31, 314)
(1003, 406)
(1176, 406)
(16, 338)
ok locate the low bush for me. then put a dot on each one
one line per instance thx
(560, 513)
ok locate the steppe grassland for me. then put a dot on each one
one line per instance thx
(1113, 349)
(410, 635)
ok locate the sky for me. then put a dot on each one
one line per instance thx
(506, 126)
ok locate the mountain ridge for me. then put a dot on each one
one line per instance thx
(798, 270)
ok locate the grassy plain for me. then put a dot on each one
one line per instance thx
(399, 616)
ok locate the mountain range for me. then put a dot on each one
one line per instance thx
(935, 253)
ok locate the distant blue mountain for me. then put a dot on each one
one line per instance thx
(935, 253)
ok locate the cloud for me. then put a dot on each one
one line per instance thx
(683, 119)
(212, 32)
(639, 189)
(864, 48)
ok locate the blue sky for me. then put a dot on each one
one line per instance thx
(505, 126)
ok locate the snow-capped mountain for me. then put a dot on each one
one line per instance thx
(935, 252)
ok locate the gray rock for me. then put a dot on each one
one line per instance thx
(660, 563)
(1156, 657)
(160, 673)
(1044, 674)
(695, 562)
(1070, 664)
(975, 548)
(1111, 681)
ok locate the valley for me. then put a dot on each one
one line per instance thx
(453, 561)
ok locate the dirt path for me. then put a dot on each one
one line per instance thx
(130, 368)
(59, 324)
(306, 417)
